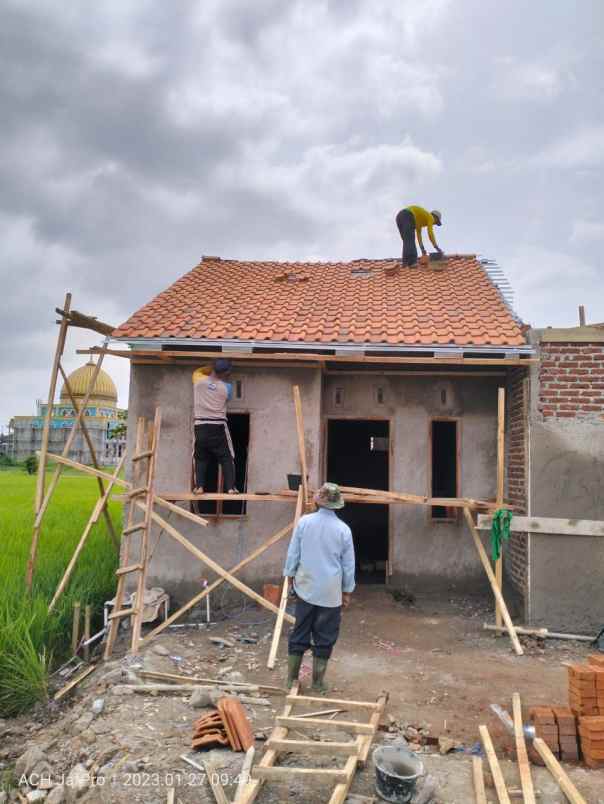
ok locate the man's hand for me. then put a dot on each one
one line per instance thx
(346, 599)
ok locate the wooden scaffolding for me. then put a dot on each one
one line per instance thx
(142, 500)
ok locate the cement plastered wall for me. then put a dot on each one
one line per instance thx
(273, 453)
(423, 552)
(566, 573)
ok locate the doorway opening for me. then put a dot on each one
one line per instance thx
(358, 455)
(445, 470)
(239, 427)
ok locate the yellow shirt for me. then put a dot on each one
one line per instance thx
(423, 218)
(200, 373)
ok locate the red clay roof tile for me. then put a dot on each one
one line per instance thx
(327, 303)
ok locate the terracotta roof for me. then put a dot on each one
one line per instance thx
(364, 301)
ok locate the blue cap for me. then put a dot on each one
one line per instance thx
(222, 365)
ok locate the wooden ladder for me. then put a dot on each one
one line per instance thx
(143, 482)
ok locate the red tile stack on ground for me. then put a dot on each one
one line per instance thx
(567, 733)
(227, 727)
(591, 731)
(542, 718)
(582, 695)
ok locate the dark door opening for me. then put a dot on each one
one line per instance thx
(239, 427)
(357, 455)
(443, 437)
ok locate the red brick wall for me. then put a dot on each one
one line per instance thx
(571, 380)
(517, 404)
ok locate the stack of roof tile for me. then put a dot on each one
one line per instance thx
(229, 726)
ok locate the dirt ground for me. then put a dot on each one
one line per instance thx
(440, 668)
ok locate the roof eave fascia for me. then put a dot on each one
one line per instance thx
(342, 348)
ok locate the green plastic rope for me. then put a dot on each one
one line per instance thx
(500, 529)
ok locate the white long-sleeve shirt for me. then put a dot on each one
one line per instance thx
(320, 559)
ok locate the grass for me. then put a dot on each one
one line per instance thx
(32, 642)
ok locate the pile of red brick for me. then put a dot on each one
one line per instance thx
(229, 726)
(557, 727)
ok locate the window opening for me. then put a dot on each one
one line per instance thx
(338, 397)
(379, 395)
(444, 466)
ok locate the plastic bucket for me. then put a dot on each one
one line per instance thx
(293, 482)
(396, 773)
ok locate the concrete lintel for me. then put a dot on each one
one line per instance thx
(573, 335)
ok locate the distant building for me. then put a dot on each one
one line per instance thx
(104, 421)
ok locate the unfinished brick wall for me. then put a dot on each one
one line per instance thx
(571, 380)
(517, 404)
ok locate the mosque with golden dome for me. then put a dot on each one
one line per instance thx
(104, 421)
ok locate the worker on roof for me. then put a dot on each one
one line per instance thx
(211, 392)
(320, 567)
(411, 221)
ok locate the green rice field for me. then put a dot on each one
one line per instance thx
(32, 642)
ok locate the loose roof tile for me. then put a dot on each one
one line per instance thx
(331, 303)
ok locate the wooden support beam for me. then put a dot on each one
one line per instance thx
(500, 486)
(87, 634)
(73, 683)
(307, 699)
(315, 747)
(548, 525)
(524, 767)
(297, 357)
(75, 628)
(301, 442)
(77, 319)
(374, 722)
(213, 778)
(214, 496)
(280, 534)
(478, 777)
(93, 457)
(498, 780)
(543, 633)
(272, 655)
(493, 581)
(558, 772)
(244, 775)
(93, 519)
(177, 536)
(312, 723)
(41, 509)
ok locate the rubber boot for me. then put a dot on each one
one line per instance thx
(319, 666)
(294, 662)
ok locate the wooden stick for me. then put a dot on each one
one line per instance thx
(94, 517)
(374, 722)
(177, 536)
(214, 782)
(243, 685)
(252, 788)
(75, 628)
(493, 581)
(284, 594)
(171, 796)
(323, 712)
(478, 776)
(340, 791)
(87, 619)
(286, 772)
(145, 535)
(41, 477)
(315, 747)
(41, 510)
(498, 780)
(346, 725)
(74, 682)
(93, 457)
(556, 770)
(500, 487)
(306, 699)
(524, 767)
(244, 776)
(301, 441)
(215, 584)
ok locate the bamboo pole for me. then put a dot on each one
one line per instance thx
(94, 518)
(493, 581)
(500, 487)
(75, 627)
(40, 481)
(57, 473)
(145, 533)
(93, 457)
(284, 593)
(301, 442)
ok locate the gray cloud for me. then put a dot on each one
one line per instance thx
(137, 136)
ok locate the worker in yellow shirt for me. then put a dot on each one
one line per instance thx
(411, 221)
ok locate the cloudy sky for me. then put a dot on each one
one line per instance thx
(137, 136)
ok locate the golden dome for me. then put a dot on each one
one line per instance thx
(79, 380)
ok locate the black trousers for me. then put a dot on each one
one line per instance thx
(320, 623)
(406, 227)
(213, 443)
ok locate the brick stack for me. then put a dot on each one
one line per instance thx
(543, 720)
(591, 730)
(582, 695)
(567, 733)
